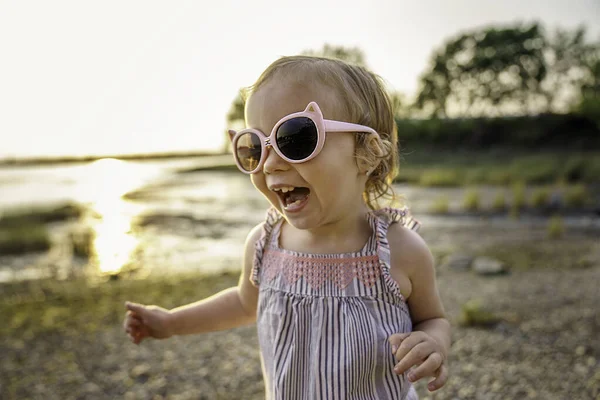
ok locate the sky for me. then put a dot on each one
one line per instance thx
(119, 77)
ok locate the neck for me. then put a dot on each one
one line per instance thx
(341, 235)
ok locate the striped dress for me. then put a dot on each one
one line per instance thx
(324, 320)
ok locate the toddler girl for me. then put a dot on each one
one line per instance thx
(342, 290)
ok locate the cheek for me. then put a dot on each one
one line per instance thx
(258, 180)
(338, 154)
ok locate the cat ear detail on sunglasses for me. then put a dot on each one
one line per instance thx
(296, 138)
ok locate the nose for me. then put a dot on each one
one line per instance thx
(273, 162)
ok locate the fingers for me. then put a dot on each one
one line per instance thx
(429, 367)
(440, 380)
(406, 345)
(133, 323)
(415, 355)
(396, 339)
(135, 307)
(132, 320)
(136, 337)
(417, 350)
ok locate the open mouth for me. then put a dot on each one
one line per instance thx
(292, 197)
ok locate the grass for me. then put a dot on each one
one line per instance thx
(542, 254)
(428, 167)
(40, 215)
(439, 177)
(540, 198)
(24, 230)
(474, 314)
(556, 227)
(472, 200)
(24, 239)
(441, 205)
(499, 203)
(37, 308)
(519, 198)
(576, 196)
(82, 242)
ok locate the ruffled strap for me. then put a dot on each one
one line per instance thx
(390, 216)
(271, 219)
(382, 220)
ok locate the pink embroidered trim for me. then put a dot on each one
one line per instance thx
(317, 270)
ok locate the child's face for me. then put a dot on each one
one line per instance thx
(328, 187)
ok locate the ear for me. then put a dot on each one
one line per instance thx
(313, 107)
(370, 155)
(231, 134)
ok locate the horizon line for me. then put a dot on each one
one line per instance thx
(32, 160)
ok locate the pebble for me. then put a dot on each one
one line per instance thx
(489, 266)
(458, 262)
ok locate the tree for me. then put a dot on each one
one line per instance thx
(487, 72)
(511, 70)
(236, 111)
(400, 105)
(589, 102)
(573, 69)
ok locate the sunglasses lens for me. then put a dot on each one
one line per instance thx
(297, 138)
(248, 150)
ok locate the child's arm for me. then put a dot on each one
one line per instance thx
(229, 308)
(426, 348)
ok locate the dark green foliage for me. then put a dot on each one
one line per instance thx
(509, 70)
(535, 132)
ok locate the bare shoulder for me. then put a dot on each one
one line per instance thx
(409, 251)
(247, 291)
(251, 239)
(254, 234)
(412, 266)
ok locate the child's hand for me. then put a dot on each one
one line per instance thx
(146, 321)
(418, 349)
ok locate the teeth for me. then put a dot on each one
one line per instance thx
(284, 189)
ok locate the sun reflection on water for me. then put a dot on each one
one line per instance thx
(113, 241)
(103, 184)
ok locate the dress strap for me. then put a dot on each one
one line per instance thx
(381, 221)
(271, 220)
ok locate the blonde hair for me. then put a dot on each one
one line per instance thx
(363, 100)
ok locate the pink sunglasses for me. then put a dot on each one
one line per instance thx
(296, 138)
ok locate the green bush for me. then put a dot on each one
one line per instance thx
(540, 197)
(519, 199)
(499, 203)
(476, 315)
(576, 196)
(440, 177)
(472, 200)
(535, 169)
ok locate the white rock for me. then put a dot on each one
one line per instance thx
(489, 266)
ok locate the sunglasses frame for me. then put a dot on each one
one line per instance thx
(313, 112)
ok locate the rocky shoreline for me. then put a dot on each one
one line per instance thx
(63, 340)
(546, 346)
